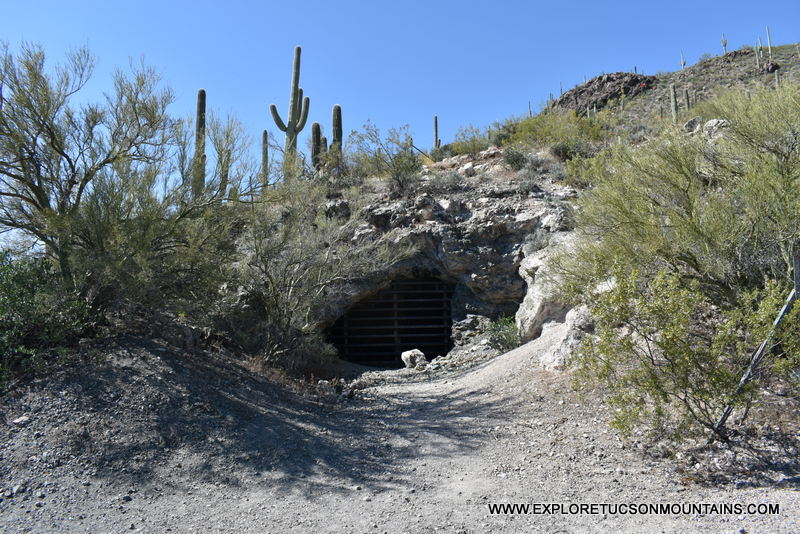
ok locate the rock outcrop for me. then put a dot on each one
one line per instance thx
(491, 239)
(599, 91)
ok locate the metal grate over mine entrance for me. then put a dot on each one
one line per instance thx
(409, 314)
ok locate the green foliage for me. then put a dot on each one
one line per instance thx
(582, 170)
(295, 261)
(695, 233)
(469, 140)
(563, 128)
(112, 202)
(35, 314)
(514, 158)
(392, 156)
(721, 212)
(667, 356)
(503, 334)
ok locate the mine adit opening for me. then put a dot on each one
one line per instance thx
(409, 314)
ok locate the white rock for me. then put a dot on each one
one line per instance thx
(467, 170)
(541, 303)
(412, 358)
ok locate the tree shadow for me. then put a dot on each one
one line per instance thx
(156, 417)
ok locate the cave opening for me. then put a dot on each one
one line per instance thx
(409, 314)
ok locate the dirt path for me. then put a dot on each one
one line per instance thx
(419, 457)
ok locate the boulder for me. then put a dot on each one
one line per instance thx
(413, 358)
(468, 169)
(541, 303)
(692, 126)
(578, 324)
(337, 209)
(714, 129)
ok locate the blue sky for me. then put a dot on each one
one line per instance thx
(393, 62)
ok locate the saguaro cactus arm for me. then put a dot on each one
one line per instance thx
(303, 113)
(277, 118)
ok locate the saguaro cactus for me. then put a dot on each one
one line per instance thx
(437, 143)
(199, 163)
(264, 159)
(336, 123)
(683, 60)
(769, 44)
(297, 115)
(316, 144)
(673, 102)
(686, 98)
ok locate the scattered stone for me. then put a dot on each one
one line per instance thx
(337, 209)
(21, 421)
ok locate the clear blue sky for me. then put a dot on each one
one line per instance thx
(394, 62)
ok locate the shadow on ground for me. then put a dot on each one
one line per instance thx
(149, 415)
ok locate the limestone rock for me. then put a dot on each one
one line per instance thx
(337, 209)
(714, 129)
(413, 358)
(541, 303)
(578, 323)
(467, 170)
(692, 126)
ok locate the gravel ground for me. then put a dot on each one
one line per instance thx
(152, 440)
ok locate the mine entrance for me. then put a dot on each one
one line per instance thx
(409, 314)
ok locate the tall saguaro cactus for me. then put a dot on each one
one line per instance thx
(264, 159)
(199, 163)
(316, 144)
(673, 103)
(437, 143)
(336, 123)
(297, 114)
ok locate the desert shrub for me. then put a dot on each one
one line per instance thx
(392, 156)
(568, 149)
(560, 128)
(581, 170)
(36, 314)
(469, 140)
(109, 200)
(709, 226)
(444, 151)
(501, 133)
(514, 158)
(667, 356)
(295, 260)
(503, 334)
(444, 182)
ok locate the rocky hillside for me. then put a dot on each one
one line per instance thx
(646, 98)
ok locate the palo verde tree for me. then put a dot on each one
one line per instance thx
(52, 151)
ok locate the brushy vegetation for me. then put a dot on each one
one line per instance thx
(37, 317)
(686, 258)
(103, 196)
(503, 334)
(392, 157)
